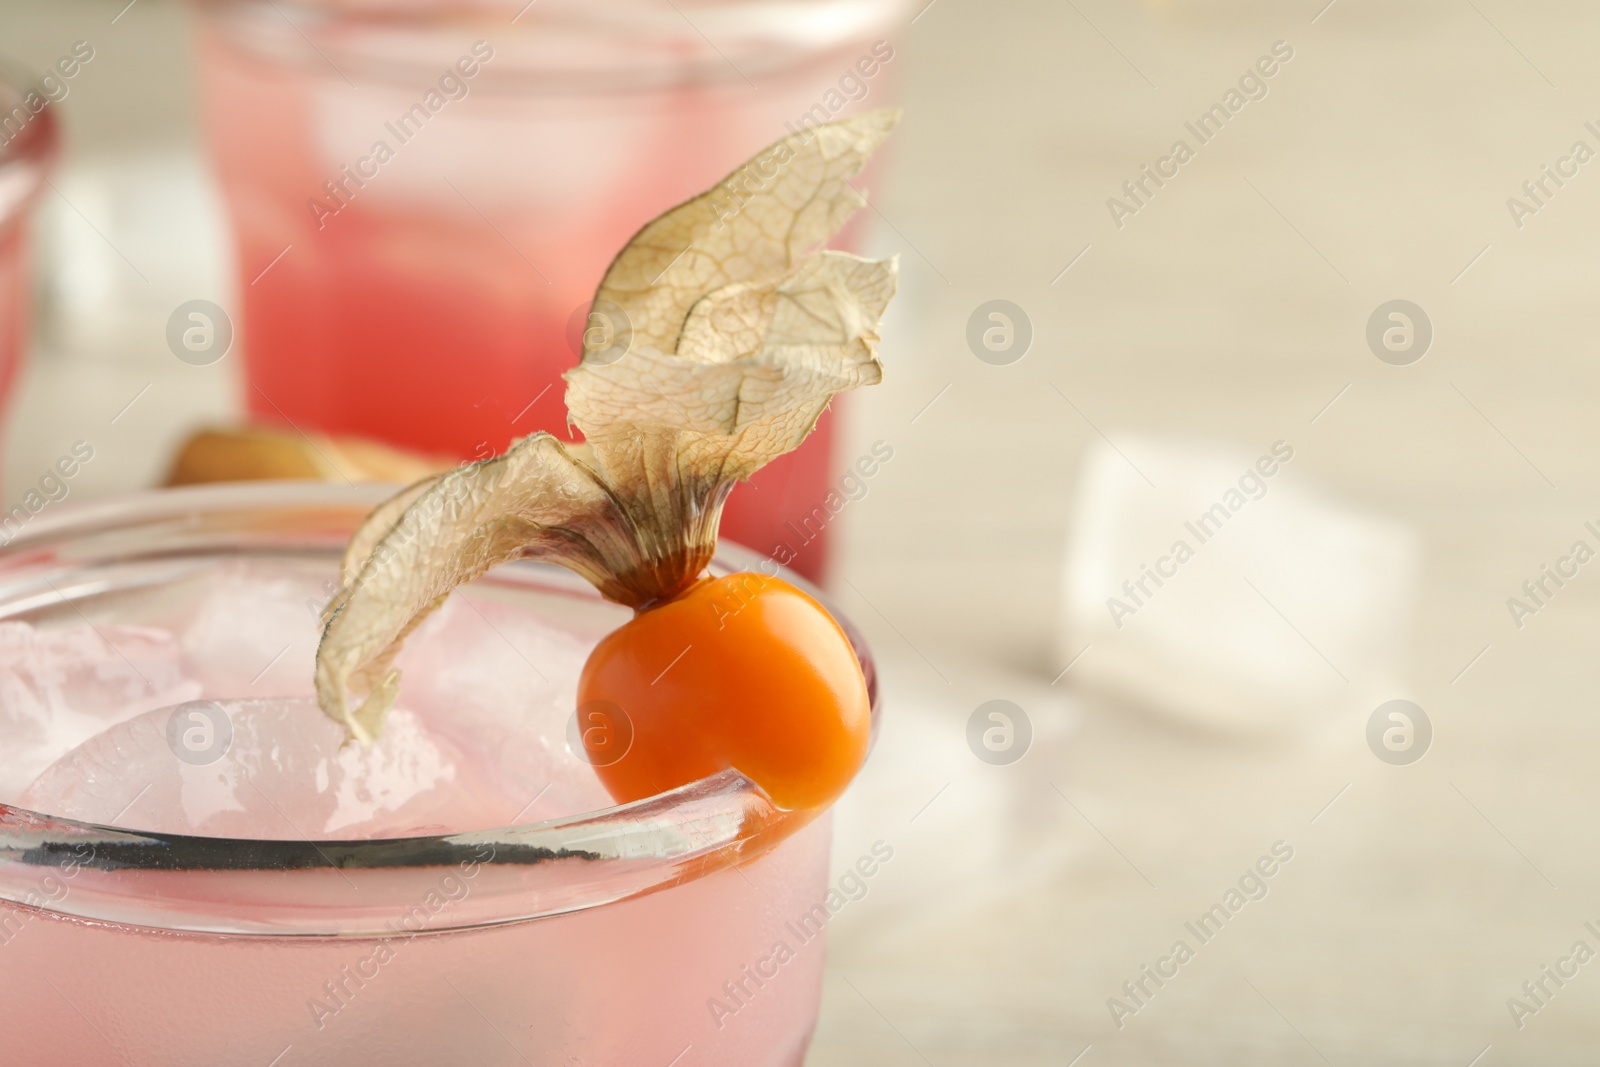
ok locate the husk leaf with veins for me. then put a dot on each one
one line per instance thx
(739, 332)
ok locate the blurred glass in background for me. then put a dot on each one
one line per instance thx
(424, 196)
(28, 144)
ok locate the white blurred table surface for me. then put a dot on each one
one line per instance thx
(1232, 305)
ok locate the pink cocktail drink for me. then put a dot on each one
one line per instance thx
(424, 201)
(13, 304)
(194, 869)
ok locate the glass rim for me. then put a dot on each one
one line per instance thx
(723, 43)
(281, 887)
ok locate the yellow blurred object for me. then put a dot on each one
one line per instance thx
(248, 454)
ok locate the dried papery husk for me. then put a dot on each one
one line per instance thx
(737, 334)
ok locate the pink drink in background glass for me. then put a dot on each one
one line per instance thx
(432, 293)
(239, 888)
(28, 145)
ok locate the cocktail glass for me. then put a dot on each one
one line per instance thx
(425, 195)
(28, 145)
(608, 937)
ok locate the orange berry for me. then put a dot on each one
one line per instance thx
(742, 671)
